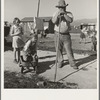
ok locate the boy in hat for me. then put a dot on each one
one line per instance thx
(62, 20)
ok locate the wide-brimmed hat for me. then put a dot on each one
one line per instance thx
(61, 3)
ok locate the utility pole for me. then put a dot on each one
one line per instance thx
(38, 8)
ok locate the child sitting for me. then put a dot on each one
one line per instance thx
(29, 52)
(30, 46)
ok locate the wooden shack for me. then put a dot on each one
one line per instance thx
(90, 26)
(47, 23)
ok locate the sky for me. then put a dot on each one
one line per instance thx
(81, 9)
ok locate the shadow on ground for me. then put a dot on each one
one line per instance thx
(47, 57)
(80, 62)
(86, 60)
(46, 65)
(43, 66)
(83, 60)
(75, 71)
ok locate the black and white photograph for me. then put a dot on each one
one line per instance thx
(50, 45)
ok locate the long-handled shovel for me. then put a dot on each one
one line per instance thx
(57, 52)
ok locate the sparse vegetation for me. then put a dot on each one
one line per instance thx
(15, 80)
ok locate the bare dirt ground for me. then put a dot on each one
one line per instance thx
(85, 77)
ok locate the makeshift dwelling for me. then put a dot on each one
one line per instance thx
(30, 23)
(42, 23)
(90, 26)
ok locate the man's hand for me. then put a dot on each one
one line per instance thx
(61, 12)
(57, 16)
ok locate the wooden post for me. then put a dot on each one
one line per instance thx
(38, 8)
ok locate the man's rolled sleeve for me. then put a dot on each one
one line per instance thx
(55, 18)
(70, 15)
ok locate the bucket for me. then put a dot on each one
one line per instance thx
(41, 84)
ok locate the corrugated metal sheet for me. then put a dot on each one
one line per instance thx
(27, 19)
(30, 19)
(46, 19)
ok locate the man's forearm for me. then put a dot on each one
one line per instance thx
(55, 19)
(69, 19)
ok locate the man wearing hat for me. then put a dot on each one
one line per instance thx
(62, 20)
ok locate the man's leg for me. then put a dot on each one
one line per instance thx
(68, 48)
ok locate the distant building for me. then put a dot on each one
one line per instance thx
(47, 23)
(91, 26)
